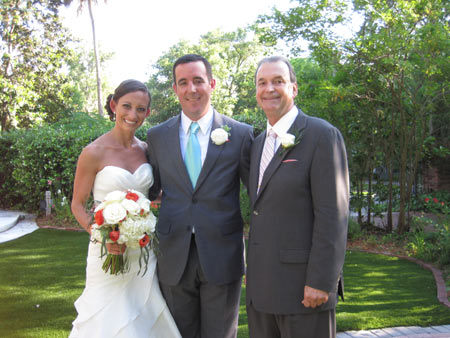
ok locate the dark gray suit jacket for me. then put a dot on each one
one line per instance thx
(212, 207)
(298, 227)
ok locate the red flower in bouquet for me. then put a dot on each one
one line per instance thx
(114, 235)
(144, 240)
(131, 196)
(99, 219)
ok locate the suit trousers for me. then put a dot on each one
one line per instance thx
(311, 325)
(201, 309)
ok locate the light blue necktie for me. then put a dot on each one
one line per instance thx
(192, 157)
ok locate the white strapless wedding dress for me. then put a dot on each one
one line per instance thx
(127, 305)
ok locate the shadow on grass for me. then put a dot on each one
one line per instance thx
(382, 291)
(41, 275)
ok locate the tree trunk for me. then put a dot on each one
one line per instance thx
(97, 63)
(359, 198)
(369, 196)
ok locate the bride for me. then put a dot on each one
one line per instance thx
(124, 305)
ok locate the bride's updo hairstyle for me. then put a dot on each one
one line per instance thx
(127, 86)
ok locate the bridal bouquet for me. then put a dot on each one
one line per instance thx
(124, 217)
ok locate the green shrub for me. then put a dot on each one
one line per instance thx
(45, 154)
(354, 229)
(8, 194)
(430, 241)
(437, 202)
(245, 207)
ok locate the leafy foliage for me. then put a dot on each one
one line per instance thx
(33, 48)
(385, 88)
(46, 153)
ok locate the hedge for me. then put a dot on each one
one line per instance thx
(33, 157)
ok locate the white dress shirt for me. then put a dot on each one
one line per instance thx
(205, 124)
(282, 126)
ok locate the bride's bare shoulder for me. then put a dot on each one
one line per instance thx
(95, 150)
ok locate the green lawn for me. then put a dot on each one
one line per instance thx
(42, 274)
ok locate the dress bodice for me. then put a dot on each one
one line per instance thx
(112, 178)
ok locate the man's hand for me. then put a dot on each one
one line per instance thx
(314, 297)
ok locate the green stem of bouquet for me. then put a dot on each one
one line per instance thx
(115, 264)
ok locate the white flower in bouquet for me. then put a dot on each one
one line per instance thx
(131, 206)
(144, 204)
(114, 212)
(115, 196)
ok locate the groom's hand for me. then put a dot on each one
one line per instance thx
(314, 297)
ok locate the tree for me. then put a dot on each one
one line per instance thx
(32, 50)
(94, 40)
(394, 76)
(82, 81)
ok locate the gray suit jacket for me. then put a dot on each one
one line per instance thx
(298, 227)
(212, 206)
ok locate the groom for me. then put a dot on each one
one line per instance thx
(299, 198)
(198, 160)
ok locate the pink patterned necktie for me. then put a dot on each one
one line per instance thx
(267, 154)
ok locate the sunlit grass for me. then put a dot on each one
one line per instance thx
(43, 273)
(382, 291)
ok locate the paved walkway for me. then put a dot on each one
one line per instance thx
(15, 224)
(442, 331)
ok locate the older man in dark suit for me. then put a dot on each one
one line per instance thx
(299, 194)
(198, 160)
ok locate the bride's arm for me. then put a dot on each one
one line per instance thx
(87, 168)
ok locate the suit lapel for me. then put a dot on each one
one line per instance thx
(255, 160)
(296, 128)
(173, 144)
(212, 153)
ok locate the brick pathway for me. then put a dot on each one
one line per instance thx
(442, 331)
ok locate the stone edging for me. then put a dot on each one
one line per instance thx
(440, 284)
(60, 228)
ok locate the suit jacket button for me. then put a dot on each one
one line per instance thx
(255, 213)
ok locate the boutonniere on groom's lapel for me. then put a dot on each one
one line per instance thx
(289, 141)
(221, 135)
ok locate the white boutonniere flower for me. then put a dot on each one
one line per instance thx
(220, 135)
(289, 141)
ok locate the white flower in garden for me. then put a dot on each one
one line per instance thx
(219, 136)
(114, 212)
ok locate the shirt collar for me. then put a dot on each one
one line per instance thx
(282, 126)
(205, 123)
